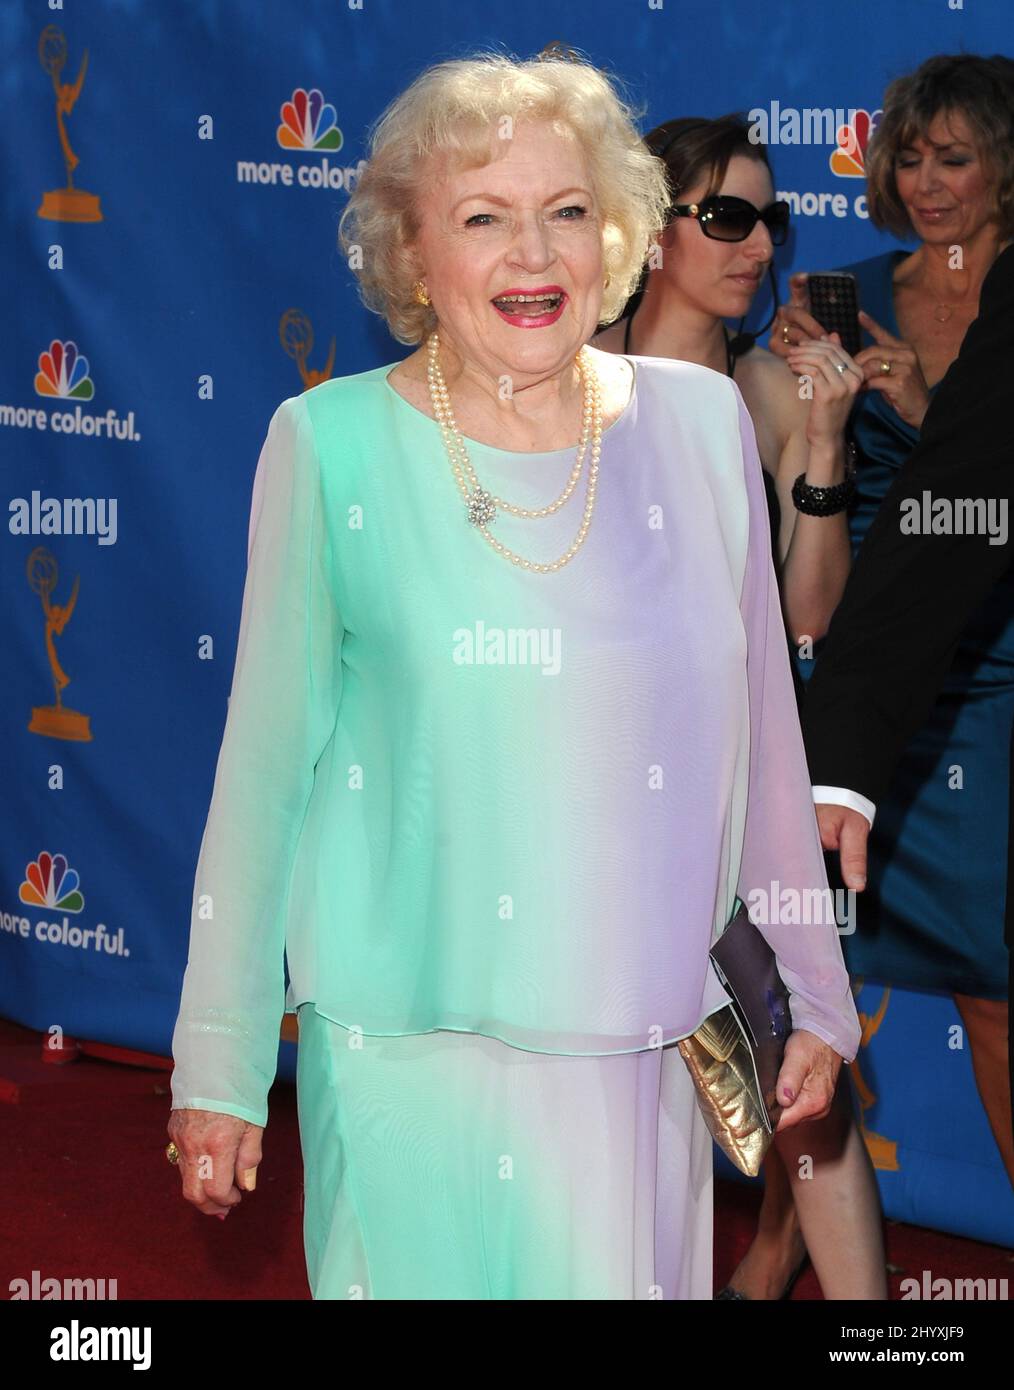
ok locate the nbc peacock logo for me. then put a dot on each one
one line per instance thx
(64, 380)
(64, 372)
(848, 159)
(309, 122)
(308, 127)
(51, 882)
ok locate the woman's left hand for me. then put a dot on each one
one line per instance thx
(836, 379)
(807, 1080)
(904, 385)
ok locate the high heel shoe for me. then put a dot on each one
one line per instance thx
(728, 1292)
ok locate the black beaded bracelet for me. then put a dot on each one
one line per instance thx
(825, 501)
(822, 501)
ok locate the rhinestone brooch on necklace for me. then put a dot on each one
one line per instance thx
(481, 506)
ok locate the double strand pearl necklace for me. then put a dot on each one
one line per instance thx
(481, 506)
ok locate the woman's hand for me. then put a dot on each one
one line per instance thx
(904, 386)
(793, 321)
(807, 1080)
(836, 378)
(218, 1160)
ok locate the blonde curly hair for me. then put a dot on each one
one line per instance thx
(450, 111)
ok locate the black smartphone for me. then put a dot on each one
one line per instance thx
(834, 303)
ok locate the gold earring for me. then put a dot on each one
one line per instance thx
(419, 293)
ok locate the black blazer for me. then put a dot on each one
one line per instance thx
(909, 597)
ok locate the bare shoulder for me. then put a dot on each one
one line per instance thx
(766, 368)
(771, 393)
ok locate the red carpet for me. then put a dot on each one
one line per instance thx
(88, 1193)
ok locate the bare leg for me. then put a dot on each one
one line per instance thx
(838, 1212)
(839, 1205)
(777, 1247)
(985, 1023)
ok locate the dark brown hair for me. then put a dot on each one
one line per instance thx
(693, 147)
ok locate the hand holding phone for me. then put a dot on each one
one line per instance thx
(834, 303)
(794, 320)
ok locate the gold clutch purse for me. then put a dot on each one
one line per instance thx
(735, 1056)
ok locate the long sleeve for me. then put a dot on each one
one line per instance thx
(783, 880)
(909, 597)
(286, 688)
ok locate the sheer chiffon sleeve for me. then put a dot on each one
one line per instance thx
(286, 688)
(783, 879)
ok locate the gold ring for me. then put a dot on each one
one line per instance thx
(172, 1153)
(785, 332)
(885, 367)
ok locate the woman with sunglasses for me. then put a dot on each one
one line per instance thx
(714, 256)
(716, 251)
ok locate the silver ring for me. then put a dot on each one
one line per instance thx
(840, 368)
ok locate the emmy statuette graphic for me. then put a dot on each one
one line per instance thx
(883, 1151)
(296, 333)
(68, 204)
(55, 721)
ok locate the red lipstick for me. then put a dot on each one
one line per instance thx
(529, 316)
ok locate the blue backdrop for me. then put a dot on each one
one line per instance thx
(177, 277)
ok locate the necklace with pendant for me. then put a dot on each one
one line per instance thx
(480, 505)
(943, 311)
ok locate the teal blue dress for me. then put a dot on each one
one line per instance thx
(931, 916)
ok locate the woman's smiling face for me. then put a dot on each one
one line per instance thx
(527, 222)
(944, 183)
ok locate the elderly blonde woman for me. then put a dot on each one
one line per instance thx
(511, 727)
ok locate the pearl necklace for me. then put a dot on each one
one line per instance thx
(481, 506)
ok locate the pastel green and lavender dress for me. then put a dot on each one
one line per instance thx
(493, 821)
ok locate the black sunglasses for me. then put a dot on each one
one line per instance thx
(725, 218)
